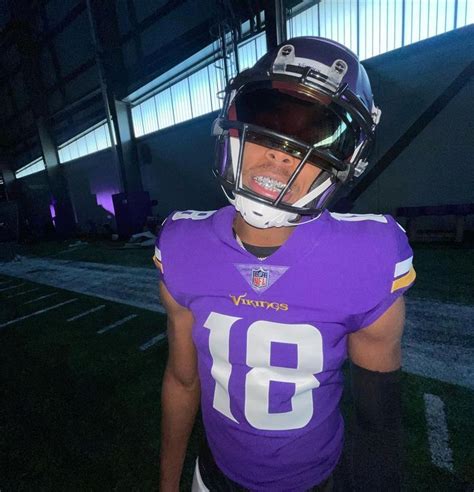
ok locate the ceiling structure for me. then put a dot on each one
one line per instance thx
(56, 56)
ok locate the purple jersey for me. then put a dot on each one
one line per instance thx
(271, 334)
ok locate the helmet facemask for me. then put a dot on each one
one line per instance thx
(270, 169)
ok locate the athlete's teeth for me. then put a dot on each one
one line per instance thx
(269, 183)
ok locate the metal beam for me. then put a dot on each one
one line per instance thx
(167, 56)
(275, 23)
(67, 20)
(65, 220)
(126, 146)
(137, 41)
(28, 47)
(114, 80)
(9, 32)
(95, 30)
(153, 18)
(54, 58)
(8, 183)
(78, 104)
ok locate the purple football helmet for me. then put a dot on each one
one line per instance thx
(309, 98)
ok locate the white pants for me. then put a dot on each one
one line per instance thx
(198, 484)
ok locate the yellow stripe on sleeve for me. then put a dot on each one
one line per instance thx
(158, 263)
(404, 281)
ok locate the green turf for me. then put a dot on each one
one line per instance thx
(459, 406)
(445, 272)
(98, 251)
(420, 474)
(80, 411)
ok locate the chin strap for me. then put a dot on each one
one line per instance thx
(264, 216)
(313, 194)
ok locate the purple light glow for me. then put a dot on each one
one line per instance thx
(104, 199)
(104, 183)
(52, 210)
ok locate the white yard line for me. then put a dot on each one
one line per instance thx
(438, 436)
(12, 287)
(24, 292)
(134, 286)
(117, 323)
(85, 313)
(153, 341)
(42, 297)
(41, 311)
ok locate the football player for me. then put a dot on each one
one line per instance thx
(266, 298)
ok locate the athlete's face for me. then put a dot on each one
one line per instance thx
(266, 171)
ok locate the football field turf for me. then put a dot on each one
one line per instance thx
(80, 399)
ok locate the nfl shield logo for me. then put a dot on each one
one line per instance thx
(260, 278)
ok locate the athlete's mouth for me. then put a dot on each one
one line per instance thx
(268, 186)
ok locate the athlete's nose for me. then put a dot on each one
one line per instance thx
(279, 157)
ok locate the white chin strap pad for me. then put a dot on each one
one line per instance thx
(262, 216)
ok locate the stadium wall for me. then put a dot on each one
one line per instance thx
(176, 167)
(93, 180)
(35, 206)
(436, 169)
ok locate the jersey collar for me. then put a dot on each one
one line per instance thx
(300, 244)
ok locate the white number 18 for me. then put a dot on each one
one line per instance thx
(260, 336)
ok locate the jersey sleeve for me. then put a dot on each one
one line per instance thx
(173, 256)
(400, 276)
(157, 259)
(166, 258)
(157, 256)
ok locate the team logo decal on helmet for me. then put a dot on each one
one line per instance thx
(294, 128)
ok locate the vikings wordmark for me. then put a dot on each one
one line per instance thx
(242, 300)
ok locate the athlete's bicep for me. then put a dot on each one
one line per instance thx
(378, 346)
(182, 359)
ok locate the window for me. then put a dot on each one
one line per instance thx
(372, 27)
(181, 99)
(194, 95)
(31, 168)
(367, 27)
(164, 108)
(92, 140)
(200, 92)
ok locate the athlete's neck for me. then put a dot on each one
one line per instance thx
(273, 236)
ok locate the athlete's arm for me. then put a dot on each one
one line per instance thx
(375, 352)
(378, 347)
(180, 392)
